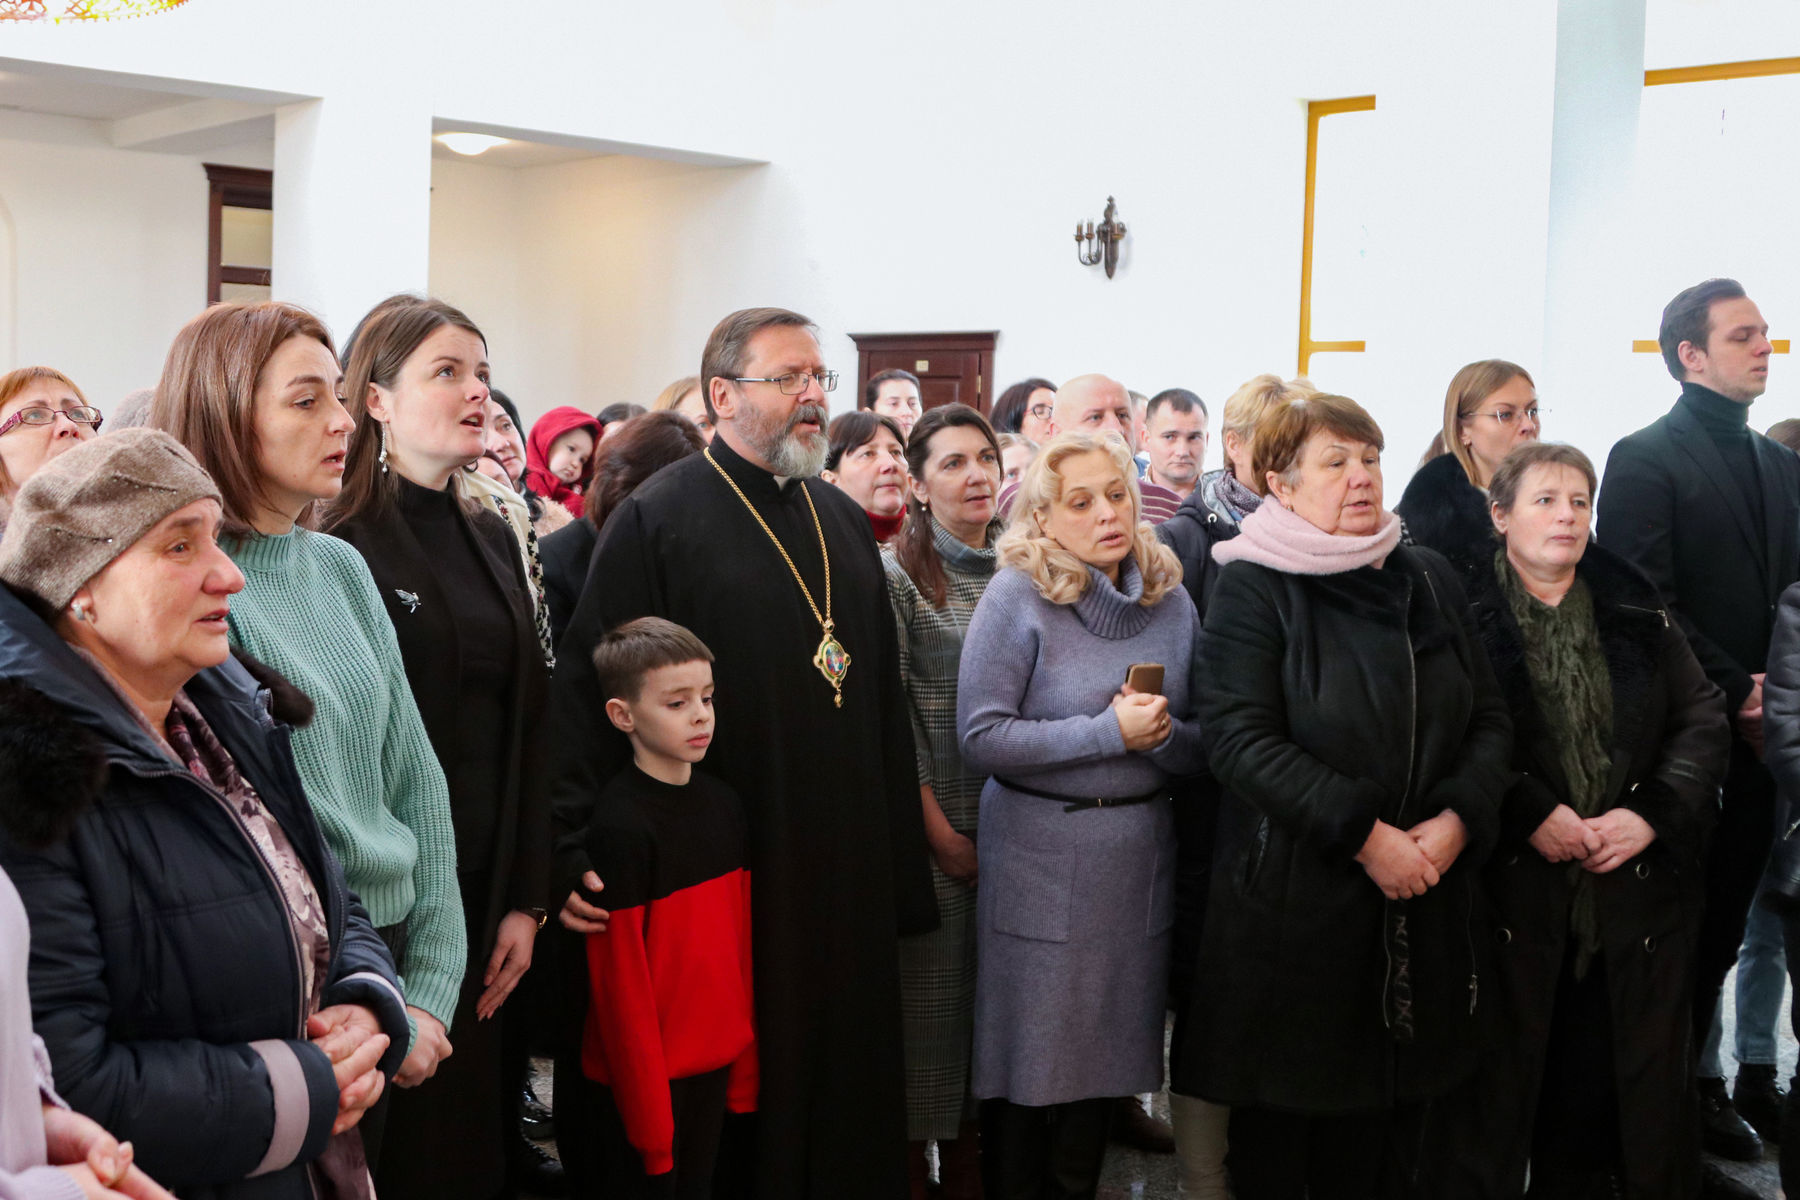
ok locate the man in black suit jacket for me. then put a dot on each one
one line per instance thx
(1710, 509)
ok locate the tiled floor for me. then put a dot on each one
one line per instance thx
(1131, 1175)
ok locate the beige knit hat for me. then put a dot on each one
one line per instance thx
(89, 505)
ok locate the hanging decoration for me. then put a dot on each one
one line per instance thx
(58, 11)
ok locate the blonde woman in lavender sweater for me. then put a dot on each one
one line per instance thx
(1077, 847)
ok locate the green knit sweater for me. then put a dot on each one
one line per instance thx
(310, 610)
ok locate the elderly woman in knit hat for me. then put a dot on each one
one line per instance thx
(1354, 723)
(205, 984)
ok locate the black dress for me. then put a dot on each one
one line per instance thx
(454, 588)
(837, 845)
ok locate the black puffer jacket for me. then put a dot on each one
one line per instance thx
(164, 973)
(1670, 742)
(1443, 511)
(1192, 533)
(1330, 702)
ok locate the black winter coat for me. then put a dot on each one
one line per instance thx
(1443, 511)
(1671, 506)
(1192, 533)
(164, 973)
(565, 556)
(1670, 742)
(1330, 702)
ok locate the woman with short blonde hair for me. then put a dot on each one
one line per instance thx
(1231, 491)
(1072, 966)
(1059, 574)
(683, 396)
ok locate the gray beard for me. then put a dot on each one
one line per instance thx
(797, 457)
(789, 454)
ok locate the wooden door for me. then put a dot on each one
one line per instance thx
(953, 368)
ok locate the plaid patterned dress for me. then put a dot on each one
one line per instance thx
(937, 970)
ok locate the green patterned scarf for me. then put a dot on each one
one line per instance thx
(1573, 690)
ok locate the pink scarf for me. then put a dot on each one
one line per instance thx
(1282, 540)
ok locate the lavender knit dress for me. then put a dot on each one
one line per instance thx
(1074, 910)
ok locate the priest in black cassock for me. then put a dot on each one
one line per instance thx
(780, 576)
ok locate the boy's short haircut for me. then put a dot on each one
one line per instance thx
(631, 651)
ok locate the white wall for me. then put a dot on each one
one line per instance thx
(942, 198)
(916, 179)
(109, 251)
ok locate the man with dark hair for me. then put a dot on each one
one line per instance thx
(777, 573)
(1710, 510)
(1175, 441)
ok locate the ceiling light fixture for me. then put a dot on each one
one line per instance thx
(471, 144)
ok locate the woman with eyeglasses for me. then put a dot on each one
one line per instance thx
(1025, 409)
(1490, 409)
(42, 413)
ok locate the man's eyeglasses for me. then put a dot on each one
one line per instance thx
(81, 414)
(1506, 416)
(794, 383)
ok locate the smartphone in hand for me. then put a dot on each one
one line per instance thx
(1146, 678)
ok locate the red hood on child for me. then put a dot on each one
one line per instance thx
(549, 427)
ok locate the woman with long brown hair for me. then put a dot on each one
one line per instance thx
(450, 576)
(937, 568)
(251, 390)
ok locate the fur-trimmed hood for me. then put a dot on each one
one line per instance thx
(62, 726)
(1443, 511)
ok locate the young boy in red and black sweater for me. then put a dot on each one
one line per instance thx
(670, 1026)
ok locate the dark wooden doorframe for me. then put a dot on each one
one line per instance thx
(952, 367)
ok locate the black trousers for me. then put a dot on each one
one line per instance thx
(1290, 1156)
(1734, 864)
(598, 1158)
(1049, 1153)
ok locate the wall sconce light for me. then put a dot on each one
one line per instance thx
(1110, 233)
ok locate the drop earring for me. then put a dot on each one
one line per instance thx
(383, 459)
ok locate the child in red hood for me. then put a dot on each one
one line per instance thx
(559, 457)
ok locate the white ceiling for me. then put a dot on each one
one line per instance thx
(71, 98)
(513, 154)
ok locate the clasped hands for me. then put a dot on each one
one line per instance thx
(1143, 718)
(351, 1038)
(1405, 863)
(1600, 844)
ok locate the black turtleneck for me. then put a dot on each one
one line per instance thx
(1727, 423)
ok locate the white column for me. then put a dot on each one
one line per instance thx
(352, 199)
(1587, 322)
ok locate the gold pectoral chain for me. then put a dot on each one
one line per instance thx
(832, 660)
